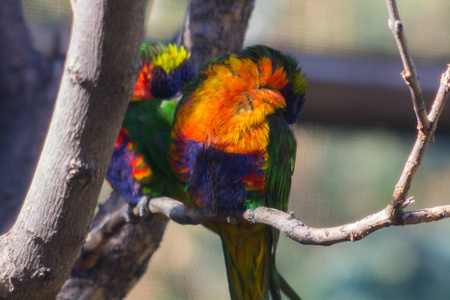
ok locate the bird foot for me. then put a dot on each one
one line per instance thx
(142, 206)
(131, 215)
(137, 212)
(232, 220)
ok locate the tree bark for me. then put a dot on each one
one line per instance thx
(214, 28)
(26, 103)
(37, 254)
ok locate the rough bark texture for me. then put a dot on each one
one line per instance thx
(214, 28)
(122, 262)
(37, 254)
(26, 102)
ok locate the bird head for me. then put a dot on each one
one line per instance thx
(294, 91)
(164, 70)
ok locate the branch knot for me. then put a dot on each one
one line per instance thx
(80, 170)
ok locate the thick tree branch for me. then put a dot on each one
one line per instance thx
(409, 73)
(37, 254)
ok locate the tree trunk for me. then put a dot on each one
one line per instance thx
(37, 254)
(214, 28)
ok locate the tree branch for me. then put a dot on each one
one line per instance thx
(441, 96)
(409, 73)
(296, 230)
(37, 254)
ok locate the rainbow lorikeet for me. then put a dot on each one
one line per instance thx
(233, 147)
(140, 164)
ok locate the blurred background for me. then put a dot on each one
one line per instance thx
(354, 137)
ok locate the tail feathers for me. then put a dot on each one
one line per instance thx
(287, 289)
(249, 261)
(277, 283)
(274, 282)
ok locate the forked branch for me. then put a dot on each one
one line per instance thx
(420, 146)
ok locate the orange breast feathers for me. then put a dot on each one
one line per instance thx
(229, 109)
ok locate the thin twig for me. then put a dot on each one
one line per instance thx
(409, 73)
(439, 101)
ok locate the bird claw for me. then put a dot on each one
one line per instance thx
(131, 215)
(232, 220)
(137, 212)
(142, 207)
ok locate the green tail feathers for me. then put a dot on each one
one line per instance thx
(286, 288)
(250, 263)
